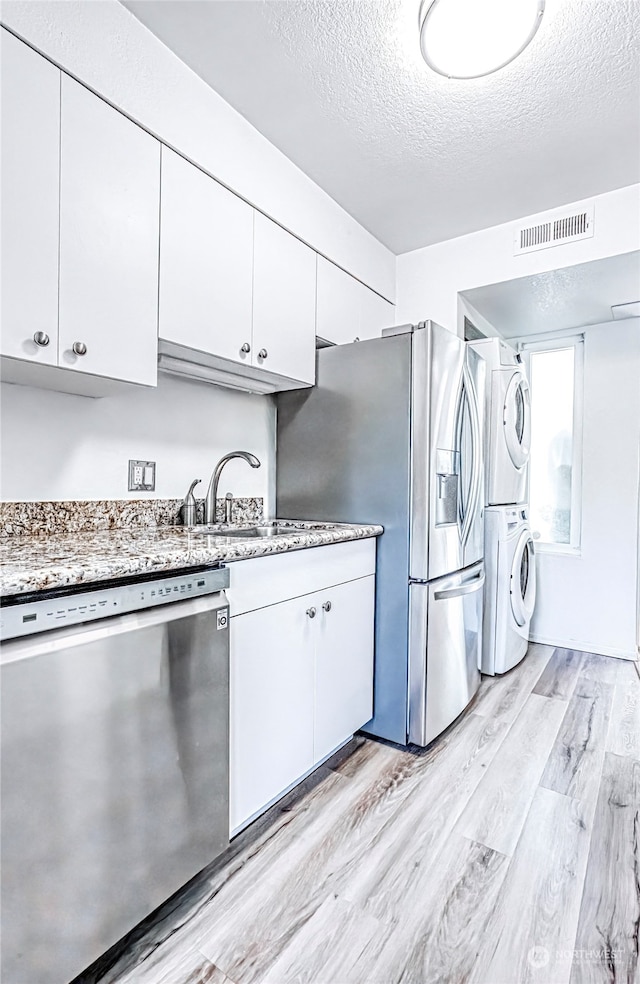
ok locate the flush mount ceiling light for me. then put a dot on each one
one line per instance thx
(466, 39)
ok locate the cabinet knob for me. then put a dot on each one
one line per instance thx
(326, 607)
(311, 612)
(41, 338)
(79, 348)
(246, 348)
(262, 354)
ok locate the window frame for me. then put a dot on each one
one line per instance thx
(552, 342)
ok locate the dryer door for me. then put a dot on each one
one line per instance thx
(517, 419)
(523, 579)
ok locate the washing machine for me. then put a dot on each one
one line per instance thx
(510, 587)
(507, 423)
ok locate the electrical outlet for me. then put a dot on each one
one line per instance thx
(142, 476)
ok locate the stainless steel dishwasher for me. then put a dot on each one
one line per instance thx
(115, 761)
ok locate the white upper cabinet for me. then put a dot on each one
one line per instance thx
(338, 304)
(206, 262)
(347, 309)
(376, 313)
(109, 236)
(30, 202)
(97, 264)
(284, 302)
(237, 292)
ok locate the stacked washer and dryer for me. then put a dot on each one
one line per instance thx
(510, 585)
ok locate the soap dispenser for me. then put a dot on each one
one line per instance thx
(189, 508)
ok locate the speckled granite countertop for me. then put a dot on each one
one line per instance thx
(36, 563)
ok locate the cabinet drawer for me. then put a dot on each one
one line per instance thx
(264, 581)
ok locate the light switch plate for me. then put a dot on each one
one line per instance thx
(142, 476)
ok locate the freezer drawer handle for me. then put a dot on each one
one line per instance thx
(463, 589)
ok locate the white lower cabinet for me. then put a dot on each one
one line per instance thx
(271, 704)
(301, 675)
(343, 699)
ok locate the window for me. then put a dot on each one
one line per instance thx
(555, 373)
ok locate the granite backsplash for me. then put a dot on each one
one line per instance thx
(44, 518)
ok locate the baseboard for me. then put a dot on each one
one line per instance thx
(584, 647)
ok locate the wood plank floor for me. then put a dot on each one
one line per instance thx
(508, 852)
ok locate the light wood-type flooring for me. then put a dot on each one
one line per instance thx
(507, 852)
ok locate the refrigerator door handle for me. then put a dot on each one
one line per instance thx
(476, 480)
(464, 589)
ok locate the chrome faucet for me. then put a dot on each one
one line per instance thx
(212, 491)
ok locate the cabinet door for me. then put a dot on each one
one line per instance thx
(347, 309)
(30, 202)
(284, 302)
(339, 297)
(109, 239)
(206, 262)
(271, 704)
(376, 314)
(344, 663)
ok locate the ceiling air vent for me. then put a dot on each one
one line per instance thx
(554, 229)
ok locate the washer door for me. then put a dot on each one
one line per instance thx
(523, 579)
(517, 419)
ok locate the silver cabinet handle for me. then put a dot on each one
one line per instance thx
(311, 612)
(41, 338)
(262, 354)
(79, 348)
(246, 348)
(326, 607)
(463, 589)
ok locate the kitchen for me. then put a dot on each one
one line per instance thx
(315, 886)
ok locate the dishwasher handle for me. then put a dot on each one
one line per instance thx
(73, 636)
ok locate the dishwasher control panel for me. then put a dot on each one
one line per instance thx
(37, 614)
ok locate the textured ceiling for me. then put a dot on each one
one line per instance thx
(561, 299)
(340, 87)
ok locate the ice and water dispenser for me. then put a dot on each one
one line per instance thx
(447, 478)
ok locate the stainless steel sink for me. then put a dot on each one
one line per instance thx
(248, 532)
(258, 531)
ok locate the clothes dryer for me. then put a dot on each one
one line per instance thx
(507, 423)
(510, 587)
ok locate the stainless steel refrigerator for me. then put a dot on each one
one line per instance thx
(391, 434)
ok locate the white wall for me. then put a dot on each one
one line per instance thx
(56, 446)
(589, 602)
(466, 309)
(103, 45)
(429, 279)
